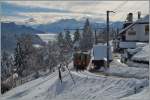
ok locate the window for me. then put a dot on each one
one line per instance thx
(131, 32)
(146, 29)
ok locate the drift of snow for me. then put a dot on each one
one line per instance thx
(87, 87)
(144, 95)
(142, 55)
(119, 69)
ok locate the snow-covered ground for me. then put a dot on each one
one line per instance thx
(144, 95)
(122, 83)
(142, 55)
(137, 65)
(119, 69)
(87, 86)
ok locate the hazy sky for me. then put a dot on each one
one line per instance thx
(50, 11)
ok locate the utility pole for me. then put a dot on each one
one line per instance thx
(108, 37)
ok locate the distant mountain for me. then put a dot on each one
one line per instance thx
(18, 29)
(60, 25)
(117, 24)
(10, 31)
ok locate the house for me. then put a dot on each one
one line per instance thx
(133, 32)
(99, 55)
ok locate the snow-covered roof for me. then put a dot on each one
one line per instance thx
(144, 20)
(127, 44)
(99, 52)
(139, 46)
(142, 55)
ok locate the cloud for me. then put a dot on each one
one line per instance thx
(8, 9)
(54, 10)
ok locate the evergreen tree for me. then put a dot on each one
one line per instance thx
(68, 38)
(4, 65)
(19, 59)
(25, 55)
(52, 55)
(76, 36)
(60, 39)
(87, 38)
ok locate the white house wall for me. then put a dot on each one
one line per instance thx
(131, 37)
(140, 33)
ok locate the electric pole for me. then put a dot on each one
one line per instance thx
(108, 37)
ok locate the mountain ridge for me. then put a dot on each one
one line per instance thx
(10, 31)
(60, 25)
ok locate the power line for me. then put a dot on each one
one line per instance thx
(120, 6)
(127, 9)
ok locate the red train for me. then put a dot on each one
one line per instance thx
(81, 60)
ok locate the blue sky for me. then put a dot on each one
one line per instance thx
(50, 11)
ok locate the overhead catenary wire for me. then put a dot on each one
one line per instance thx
(122, 5)
(116, 9)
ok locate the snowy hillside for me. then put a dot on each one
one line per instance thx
(87, 86)
(120, 82)
(144, 95)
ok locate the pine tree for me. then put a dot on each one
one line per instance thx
(25, 59)
(87, 38)
(19, 59)
(52, 55)
(4, 65)
(68, 39)
(60, 39)
(76, 36)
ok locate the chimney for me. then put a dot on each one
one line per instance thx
(139, 14)
(130, 17)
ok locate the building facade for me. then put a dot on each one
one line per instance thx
(133, 32)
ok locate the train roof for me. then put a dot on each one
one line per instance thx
(99, 52)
